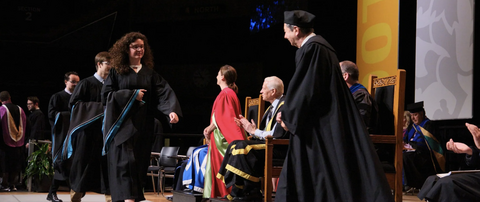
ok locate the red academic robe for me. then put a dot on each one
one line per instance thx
(225, 108)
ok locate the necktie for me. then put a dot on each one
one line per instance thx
(270, 113)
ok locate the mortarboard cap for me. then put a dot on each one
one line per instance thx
(299, 18)
(415, 107)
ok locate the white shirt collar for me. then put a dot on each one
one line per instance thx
(139, 67)
(66, 90)
(275, 102)
(308, 37)
(98, 77)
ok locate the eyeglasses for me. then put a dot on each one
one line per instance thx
(137, 47)
(28, 104)
(73, 82)
(107, 63)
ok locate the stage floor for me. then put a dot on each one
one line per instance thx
(21, 196)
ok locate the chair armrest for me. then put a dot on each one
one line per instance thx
(179, 157)
(386, 139)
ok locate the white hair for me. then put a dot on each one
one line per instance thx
(274, 82)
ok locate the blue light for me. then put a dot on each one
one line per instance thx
(267, 15)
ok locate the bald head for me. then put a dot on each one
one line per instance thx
(350, 68)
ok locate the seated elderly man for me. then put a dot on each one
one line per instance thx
(243, 163)
(459, 186)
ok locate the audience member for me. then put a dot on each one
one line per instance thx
(243, 163)
(13, 124)
(36, 119)
(423, 154)
(456, 186)
(407, 122)
(58, 115)
(330, 156)
(133, 92)
(222, 130)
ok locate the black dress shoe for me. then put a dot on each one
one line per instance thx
(53, 197)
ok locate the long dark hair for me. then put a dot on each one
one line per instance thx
(119, 52)
(230, 75)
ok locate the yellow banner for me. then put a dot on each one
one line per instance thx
(377, 38)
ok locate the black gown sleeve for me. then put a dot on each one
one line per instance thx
(167, 100)
(53, 108)
(80, 93)
(310, 81)
(472, 160)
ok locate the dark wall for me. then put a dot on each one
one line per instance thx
(188, 52)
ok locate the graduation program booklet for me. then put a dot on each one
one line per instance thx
(441, 175)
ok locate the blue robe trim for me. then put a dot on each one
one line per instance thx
(53, 138)
(355, 87)
(114, 129)
(67, 145)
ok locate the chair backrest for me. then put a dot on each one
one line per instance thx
(382, 87)
(190, 151)
(164, 160)
(391, 107)
(254, 109)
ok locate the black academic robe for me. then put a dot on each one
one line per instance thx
(419, 164)
(89, 171)
(58, 103)
(456, 187)
(59, 134)
(330, 156)
(128, 154)
(37, 125)
(368, 108)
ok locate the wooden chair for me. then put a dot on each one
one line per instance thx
(398, 82)
(254, 109)
(272, 168)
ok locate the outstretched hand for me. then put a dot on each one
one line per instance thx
(250, 127)
(458, 147)
(475, 133)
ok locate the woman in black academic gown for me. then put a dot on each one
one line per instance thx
(459, 186)
(127, 146)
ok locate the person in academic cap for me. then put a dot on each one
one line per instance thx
(423, 154)
(330, 155)
(462, 186)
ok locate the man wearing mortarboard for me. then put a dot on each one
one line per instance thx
(330, 155)
(423, 154)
